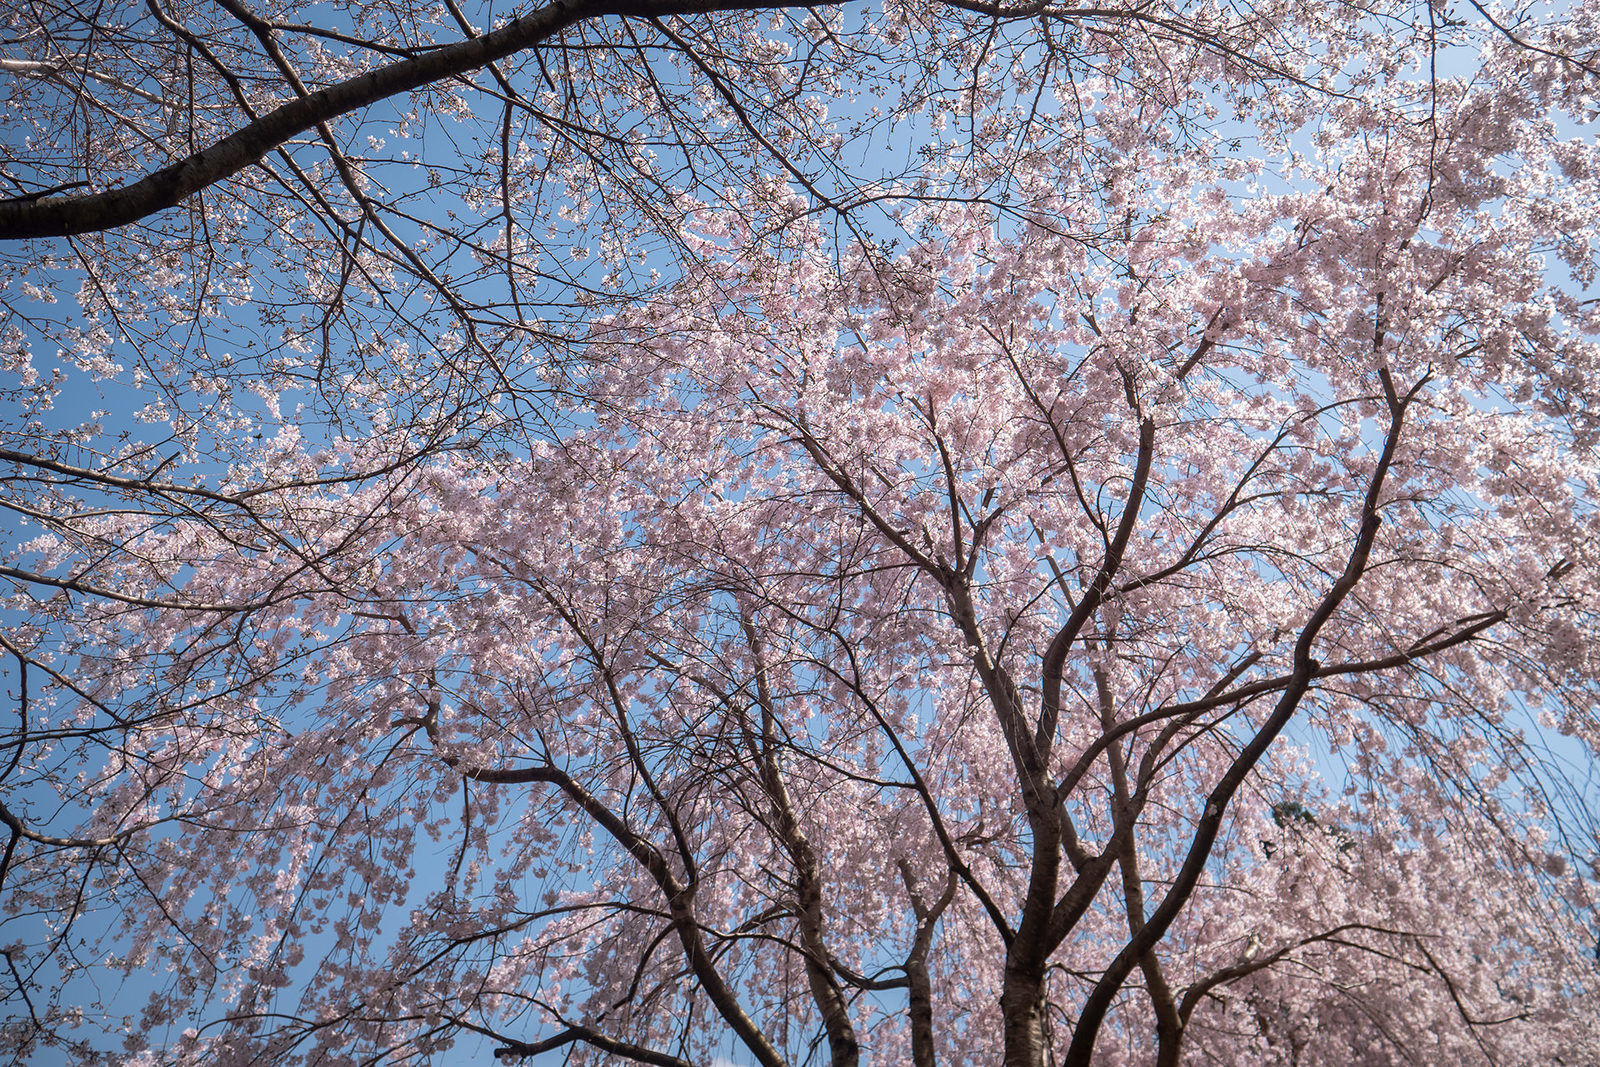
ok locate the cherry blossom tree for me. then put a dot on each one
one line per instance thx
(678, 533)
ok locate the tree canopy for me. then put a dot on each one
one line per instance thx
(694, 533)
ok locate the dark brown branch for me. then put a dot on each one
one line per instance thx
(58, 216)
(1055, 656)
(574, 1033)
(1081, 1051)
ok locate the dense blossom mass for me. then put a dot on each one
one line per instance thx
(691, 534)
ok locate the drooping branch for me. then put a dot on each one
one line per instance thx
(843, 1046)
(957, 866)
(574, 1033)
(1195, 993)
(679, 895)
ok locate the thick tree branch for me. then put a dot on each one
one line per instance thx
(1081, 1051)
(57, 216)
(575, 1033)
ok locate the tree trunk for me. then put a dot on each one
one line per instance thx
(843, 1048)
(920, 1008)
(1169, 1042)
(1022, 1010)
(919, 986)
